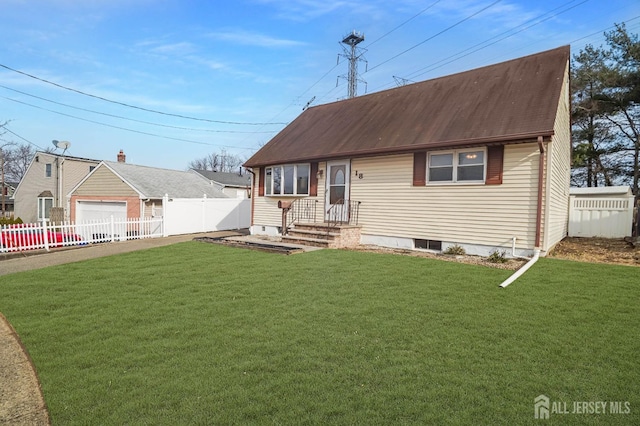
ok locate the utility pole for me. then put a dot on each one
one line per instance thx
(354, 54)
(2, 186)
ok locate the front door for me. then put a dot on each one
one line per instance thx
(337, 191)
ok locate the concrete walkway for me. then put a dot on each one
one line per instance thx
(26, 261)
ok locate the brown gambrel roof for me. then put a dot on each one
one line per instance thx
(511, 101)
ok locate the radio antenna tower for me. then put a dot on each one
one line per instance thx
(354, 54)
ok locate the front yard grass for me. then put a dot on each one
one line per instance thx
(204, 334)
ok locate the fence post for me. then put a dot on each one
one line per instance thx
(45, 234)
(204, 213)
(113, 228)
(165, 214)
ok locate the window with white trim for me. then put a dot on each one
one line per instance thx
(290, 179)
(457, 166)
(47, 170)
(44, 207)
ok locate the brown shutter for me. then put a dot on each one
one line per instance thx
(313, 180)
(419, 168)
(261, 182)
(495, 156)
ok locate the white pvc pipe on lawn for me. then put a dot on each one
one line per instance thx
(519, 272)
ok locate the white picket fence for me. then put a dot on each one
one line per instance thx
(33, 236)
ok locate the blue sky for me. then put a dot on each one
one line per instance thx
(230, 75)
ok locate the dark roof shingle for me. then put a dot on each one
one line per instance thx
(507, 101)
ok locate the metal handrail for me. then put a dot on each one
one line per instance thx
(303, 209)
(351, 214)
(300, 209)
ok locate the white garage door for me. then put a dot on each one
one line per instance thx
(100, 210)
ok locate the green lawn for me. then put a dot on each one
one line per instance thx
(198, 333)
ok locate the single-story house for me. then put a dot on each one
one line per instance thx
(235, 185)
(41, 194)
(479, 159)
(126, 190)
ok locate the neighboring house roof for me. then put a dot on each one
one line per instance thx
(508, 101)
(66, 157)
(152, 182)
(227, 179)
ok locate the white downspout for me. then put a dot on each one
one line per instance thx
(519, 272)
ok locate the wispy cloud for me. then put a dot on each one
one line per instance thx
(248, 38)
(180, 48)
(306, 10)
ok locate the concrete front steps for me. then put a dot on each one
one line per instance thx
(321, 235)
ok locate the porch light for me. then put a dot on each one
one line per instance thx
(320, 173)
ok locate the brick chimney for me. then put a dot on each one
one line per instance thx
(121, 157)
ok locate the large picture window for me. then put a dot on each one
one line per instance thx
(291, 179)
(459, 166)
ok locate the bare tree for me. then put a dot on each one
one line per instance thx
(18, 158)
(218, 162)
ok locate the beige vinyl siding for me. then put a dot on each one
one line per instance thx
(74, 172)
(103, 182)
(34, 182)
(558, 172)
(266, 211)
(474, 214)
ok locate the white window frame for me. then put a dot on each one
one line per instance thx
(42, 208)
(48, 170)
(270, 184)
(454, 180)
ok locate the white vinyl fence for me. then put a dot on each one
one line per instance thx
(600, 217)
(192, 215)
(181, 216)
(33, 236)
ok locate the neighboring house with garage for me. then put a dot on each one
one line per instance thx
(235, 185)
(41, 194)
(480, 159)
(124, 190)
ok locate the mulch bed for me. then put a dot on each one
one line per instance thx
(597, 250)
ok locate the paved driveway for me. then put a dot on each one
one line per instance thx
(17, 262)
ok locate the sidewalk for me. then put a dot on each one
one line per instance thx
(18, 262)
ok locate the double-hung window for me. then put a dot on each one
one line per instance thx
(458, 166)
(290, 179)
(47, 170)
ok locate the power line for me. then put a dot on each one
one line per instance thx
(26, 140)
(404, 23)
(471, 49)
(437, 34)
(122, 128)
(126, 118)
(133, 106)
